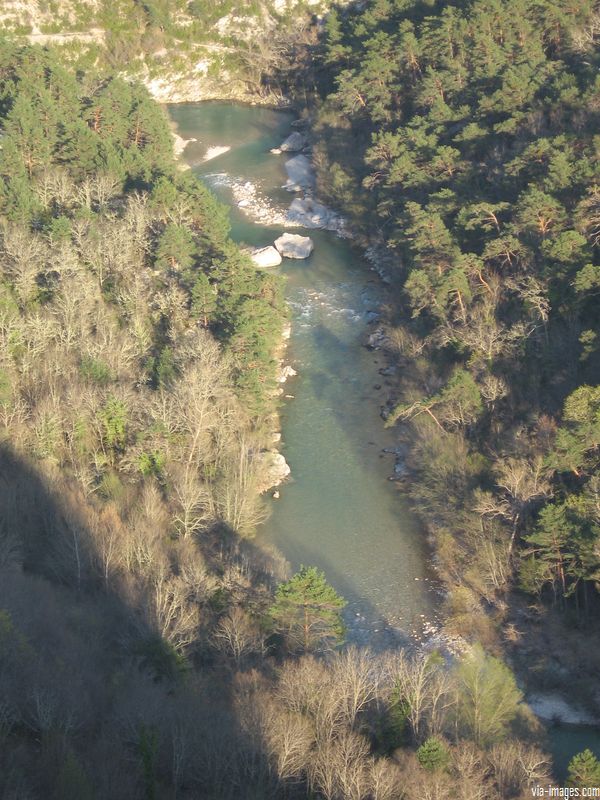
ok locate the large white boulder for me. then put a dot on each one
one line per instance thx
(294, 143)
(291, 245)
(300, 174)
(266, 257)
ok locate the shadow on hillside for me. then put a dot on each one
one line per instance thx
(93, 702)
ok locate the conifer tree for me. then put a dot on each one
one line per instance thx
(307, 612)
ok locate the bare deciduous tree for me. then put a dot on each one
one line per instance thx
(238, 636)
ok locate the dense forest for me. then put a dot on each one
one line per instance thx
(148, 648)
(473, 169)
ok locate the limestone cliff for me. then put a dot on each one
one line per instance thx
(181, 49)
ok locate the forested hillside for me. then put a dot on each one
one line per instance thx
(145, 651)
(462, 137)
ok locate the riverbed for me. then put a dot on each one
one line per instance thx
(339, 512)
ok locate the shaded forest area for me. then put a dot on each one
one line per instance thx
(462, 140)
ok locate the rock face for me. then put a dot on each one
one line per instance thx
(266, 257)
(291, 245)
(300, 174)
(308, 213)
(293, 144)
(275, 469)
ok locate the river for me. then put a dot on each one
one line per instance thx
(339, 512)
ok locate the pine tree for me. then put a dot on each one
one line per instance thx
(584, 770)
(307, 611)
(433, 754)
(204, 299)
(176, 248)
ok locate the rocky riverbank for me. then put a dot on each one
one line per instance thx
(273, 468)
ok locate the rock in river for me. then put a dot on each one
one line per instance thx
(308, 213)
(294, 143)
(266, 257)
(291, 245)
(300, 174)
(286, 372)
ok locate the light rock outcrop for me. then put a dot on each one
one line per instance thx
(266, 257)
(294, 143)
(274, 469)
(553, 707)
(300, 174)
(179, 143)
(286, 372)
(292, 245)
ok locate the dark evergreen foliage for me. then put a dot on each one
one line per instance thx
(474, 162)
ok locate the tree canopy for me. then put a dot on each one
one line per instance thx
(307, 611)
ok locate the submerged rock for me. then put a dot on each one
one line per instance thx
(266, 257)
(291, 245)
(308, 213)
(300, 174)
(400, 469)
(215, 152)
(294, 143)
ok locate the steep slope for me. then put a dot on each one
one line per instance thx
(180, 50)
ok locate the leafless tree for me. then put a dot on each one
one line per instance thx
(289, 738)
(238, 636)
(340, 768)
(516, 766)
